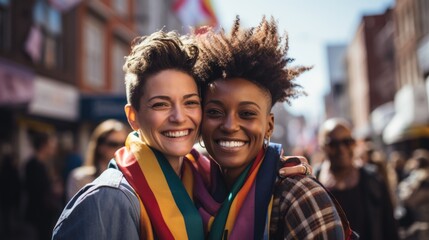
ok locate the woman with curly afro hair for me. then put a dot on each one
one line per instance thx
(243, 74)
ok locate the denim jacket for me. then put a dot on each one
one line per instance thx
(107, 208)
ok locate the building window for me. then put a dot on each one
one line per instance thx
(4, 24)
(94, 53)
(120, 50)
(48, 22)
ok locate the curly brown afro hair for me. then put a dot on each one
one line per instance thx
(256, 54)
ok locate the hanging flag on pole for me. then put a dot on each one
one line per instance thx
(33, 44)
(195, 13)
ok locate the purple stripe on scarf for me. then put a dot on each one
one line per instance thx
(245, 220)
(208, 202)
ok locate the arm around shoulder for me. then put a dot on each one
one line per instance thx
(306, 210)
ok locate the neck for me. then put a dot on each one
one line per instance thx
(342, 172)
(230, 176)
(344, 177)
(41, 157)
(176, 164)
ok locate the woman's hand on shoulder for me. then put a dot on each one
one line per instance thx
(294, 165)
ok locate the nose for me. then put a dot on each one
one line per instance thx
(177, 114)
(230, 123)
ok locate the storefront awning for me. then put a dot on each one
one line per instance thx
(398, 130)
(16, 84)
(54, 99)
(411, 119)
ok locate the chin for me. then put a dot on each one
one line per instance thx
(179, 152)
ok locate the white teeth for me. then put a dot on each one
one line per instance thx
(177, 133)
(231, 144)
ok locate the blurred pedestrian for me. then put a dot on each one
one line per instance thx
(106, 138)
(361, 191)
(413, 195)
(10, 197)
(397, 161)
(375, 158)
(43, 202)
(71, 155)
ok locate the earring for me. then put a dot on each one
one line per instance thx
(266, 142)
(201, 143)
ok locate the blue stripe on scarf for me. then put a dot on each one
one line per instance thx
(265, 180)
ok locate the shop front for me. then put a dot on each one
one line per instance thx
(409, 127)
(16, 91)
(54, 107)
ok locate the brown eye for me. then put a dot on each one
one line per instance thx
(248, 114)
(159, 105)
(212, 112)
(193, 103)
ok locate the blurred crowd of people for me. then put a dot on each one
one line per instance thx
(32, 198)
(385, 195)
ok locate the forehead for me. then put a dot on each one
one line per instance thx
(169, 82)
(238, 89)
(339, 132)
(117, 134)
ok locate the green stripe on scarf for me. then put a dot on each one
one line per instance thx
(193, 222)
(218, 226)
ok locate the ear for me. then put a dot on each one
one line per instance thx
(270, 125)
(132, 116)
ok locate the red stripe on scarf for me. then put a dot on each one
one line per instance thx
(129, 166)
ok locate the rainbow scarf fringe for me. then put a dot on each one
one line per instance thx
(244, 212)
(167, 210)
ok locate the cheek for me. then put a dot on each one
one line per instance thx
(258, 132)
(330, 151)
(110, 153)
(104, 151)
(196, 116)
(148, 121)
(206, 129)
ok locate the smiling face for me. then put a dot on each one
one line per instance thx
(169, 114)
(236, 119)
(339, 147)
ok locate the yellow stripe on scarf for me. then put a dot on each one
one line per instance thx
(239, 199)
(159, 186)
(188, 180)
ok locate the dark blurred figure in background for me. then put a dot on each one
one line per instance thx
(44, 195)
(72, 158)
(372, 157)
(10, 194)
(397, 161)
(360, 190)
(413, 196)
(106, 138)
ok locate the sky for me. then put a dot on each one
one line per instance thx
(312, 25)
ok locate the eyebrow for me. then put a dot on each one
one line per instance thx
(245, 103)
(187, 96)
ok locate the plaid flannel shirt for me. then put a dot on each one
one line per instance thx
(302, 209)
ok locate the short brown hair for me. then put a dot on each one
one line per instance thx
(152, 54)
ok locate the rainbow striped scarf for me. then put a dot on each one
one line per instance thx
(244, 212)
(167, 210)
